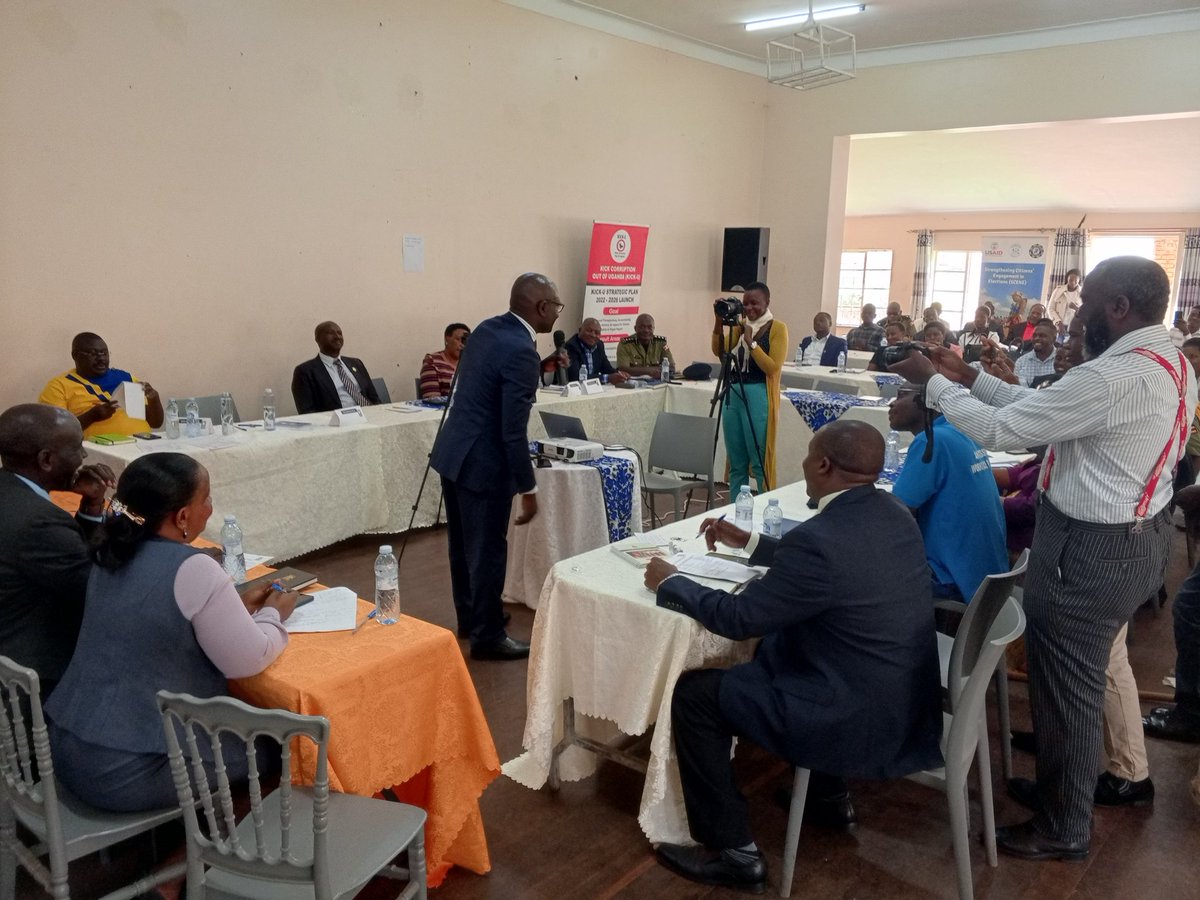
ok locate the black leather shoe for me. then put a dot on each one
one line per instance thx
(835, 812)
(1024, 842)
(713, 867)
(466, 632)
(1025, 741)
(505, 648)
(1112, 790)
(1025, 792)
(1163, 723)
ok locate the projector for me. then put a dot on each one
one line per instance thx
(569, 449)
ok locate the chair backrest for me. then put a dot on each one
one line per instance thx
(417, 384)
(558, 425)
(836, 387)
(683, 443)
(971, 639)
(889, 391)
(382, 391)
(210, 407)
(25, 764)
(214, 841)
(1004, 625)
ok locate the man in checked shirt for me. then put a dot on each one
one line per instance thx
(1117, 426)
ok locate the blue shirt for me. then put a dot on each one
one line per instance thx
(958, 508)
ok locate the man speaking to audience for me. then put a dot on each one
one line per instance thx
(482, 454)
(1117, 426)
(846, 678)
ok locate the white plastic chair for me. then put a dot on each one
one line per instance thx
(66, 829)
(964, 736)
(348, 839)
(680, 444)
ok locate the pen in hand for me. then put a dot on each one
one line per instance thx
(714, 524)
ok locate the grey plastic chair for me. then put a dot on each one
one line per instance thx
(964, 736)
(836, 387)
(210, 408)
(989, 596)
(382, 391)
(350, 840)
(65, 828)
(680, 444)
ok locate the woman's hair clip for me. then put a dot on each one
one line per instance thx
(120, 509)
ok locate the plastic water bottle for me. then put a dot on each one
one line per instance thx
(842, 361)
(191, 418)
(665, 371)
(773, 519)
(227, 426)
(891, 452)
(269, 410)
(387, 587)
(743, 509)
(235, 554)
(171, 421)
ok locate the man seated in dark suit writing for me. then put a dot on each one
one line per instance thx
(331, 381)
(846, 677)
(44, 565)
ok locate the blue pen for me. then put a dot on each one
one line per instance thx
(720, 519)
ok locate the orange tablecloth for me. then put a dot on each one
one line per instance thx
(404, 715)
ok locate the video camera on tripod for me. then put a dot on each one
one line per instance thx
(729, 310)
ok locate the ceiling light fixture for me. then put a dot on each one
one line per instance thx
(818, 16)
(814, 56)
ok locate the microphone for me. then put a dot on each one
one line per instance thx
(560, 373)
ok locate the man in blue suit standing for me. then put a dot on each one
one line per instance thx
(846, 677)
(822, 348)
(482, 454)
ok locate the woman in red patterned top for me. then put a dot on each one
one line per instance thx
(437, 369)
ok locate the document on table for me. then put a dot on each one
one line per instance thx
(714, 567)
(333, 609)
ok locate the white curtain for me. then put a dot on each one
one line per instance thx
(1069, 245)
(1187, 285)
(921, 272)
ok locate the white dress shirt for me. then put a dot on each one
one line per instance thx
(1029, 367)
(331, 366)
(816, 346)
(1108, 421)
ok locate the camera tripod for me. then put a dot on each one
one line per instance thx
(729, 378)
(437, 519)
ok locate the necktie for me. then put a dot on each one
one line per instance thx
(349, 383)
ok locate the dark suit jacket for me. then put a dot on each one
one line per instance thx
(833, 346)
(575, 351)
(846, 678)
(484, 444)
(44, 570)
(313, 388)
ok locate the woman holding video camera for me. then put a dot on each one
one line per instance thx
(757, 345)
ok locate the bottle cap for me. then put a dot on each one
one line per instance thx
(386, 548)
(231, 520)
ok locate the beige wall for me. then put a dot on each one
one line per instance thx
(201, 183)
(803, 196)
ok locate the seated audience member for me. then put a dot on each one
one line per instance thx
(86, 392)
(998, 323)
(868, 335)
(44, 565)
(586, 357)
(931, 318)
(160, 614)
(1019, 492)
(934, 335)
(642, 352)
(437, 369)
(1021, 332)
(1185, 328)
(896, 334)
(947, 481)
(1039, 359)
(937, 312)
(979, 331)
(847, 650)
(329, 380)
(895, 314)
(821, 348)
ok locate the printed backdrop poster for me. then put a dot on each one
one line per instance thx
(614, 280)
(1012, 274)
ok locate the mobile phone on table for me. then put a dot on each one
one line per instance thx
(147, 435)
(304, 598)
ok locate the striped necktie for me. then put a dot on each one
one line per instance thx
(349, 383)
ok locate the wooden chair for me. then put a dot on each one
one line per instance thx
(65, 828)
(350, 840)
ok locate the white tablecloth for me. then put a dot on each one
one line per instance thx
(600, 639)
(805, 377)
(570, 520)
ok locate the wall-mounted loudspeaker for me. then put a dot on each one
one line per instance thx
(744, 257)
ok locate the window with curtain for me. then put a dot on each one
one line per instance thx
(956, 284)
(866, 277)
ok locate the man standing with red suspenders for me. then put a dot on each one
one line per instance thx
(1117, 425)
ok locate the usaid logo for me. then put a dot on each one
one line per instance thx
(994, 250)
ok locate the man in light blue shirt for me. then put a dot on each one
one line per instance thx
(947, 481)
(1039, 359)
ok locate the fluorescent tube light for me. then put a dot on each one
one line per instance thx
(818, 16)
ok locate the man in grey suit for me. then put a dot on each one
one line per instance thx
(44, 565)
(846, 678)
